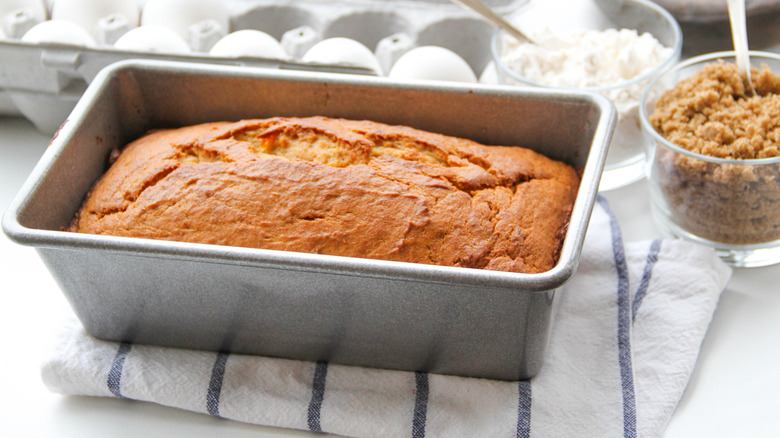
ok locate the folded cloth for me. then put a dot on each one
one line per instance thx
(625, 335)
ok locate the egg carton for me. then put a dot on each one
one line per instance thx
(43, 81)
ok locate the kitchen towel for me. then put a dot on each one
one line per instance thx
(625, 336)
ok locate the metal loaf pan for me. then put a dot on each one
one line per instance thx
(343, 310)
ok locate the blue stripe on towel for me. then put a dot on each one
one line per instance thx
(652, 258)
(420, 404)
(524, 409)
(624, 325)
(317, 395)
(114, 380)
(215, 384)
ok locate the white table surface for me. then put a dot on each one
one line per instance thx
(733, 392)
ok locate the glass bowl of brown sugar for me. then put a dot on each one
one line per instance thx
(713, 155)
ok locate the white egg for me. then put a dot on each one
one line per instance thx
(489, 74)
(432, 63)
(35, 7)
(342, 51)
(152, 38)
(179, 15)
(86, 13)
(56, 31)
(248, 42)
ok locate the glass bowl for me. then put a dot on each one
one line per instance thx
(625, 161)
(732, 205)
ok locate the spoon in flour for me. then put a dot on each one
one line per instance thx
(487, 13)
(739, 35)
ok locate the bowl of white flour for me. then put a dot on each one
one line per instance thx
(610, 48)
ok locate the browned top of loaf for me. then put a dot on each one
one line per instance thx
(339, 187)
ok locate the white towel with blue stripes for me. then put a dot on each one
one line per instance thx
(623, 344)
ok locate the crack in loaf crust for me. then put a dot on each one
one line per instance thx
(339, 187)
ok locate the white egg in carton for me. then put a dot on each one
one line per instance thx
(52, 49)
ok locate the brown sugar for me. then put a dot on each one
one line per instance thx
(711, 114)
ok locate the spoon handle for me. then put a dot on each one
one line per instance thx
(482, 9)
(739, 35)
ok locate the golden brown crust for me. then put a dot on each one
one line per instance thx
(339, 187)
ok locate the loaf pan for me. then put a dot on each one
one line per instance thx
(373, 313)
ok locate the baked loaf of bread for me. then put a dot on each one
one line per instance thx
(338, 187)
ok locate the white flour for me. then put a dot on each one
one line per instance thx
(588, 59)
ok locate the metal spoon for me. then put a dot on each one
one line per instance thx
(487, 13)
(739, 35)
